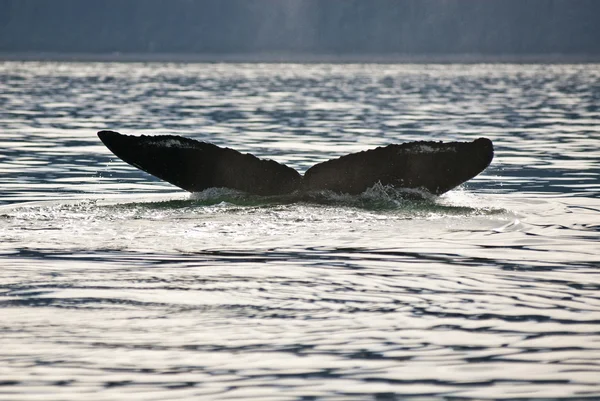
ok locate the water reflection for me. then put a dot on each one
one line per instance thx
(113, 282)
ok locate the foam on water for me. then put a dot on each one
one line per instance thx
(250, 216)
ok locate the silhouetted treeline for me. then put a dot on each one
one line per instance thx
(487, 27)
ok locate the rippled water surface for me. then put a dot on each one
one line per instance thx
(114, 284)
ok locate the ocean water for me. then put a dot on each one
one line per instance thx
(116, 285)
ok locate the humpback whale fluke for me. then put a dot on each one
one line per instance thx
(196, 166)
(436, 167)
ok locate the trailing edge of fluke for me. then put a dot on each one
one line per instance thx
(435, 167)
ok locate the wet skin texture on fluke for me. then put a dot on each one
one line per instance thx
(436, 167)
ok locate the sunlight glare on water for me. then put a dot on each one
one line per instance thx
(115, 284)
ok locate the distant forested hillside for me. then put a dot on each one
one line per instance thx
(487, 27)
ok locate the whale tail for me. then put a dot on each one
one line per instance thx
(192, 165)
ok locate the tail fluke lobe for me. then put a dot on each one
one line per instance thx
(195, 166)
(433, 166)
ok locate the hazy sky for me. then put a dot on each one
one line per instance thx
(408, 27)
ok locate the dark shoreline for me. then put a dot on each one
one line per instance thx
(302, 58)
